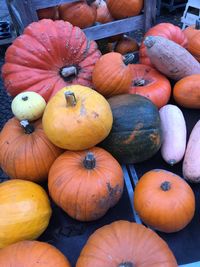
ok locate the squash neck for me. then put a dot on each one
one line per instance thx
(28, 128)
(70, 99)
(89, 161)
(69, 73)
(165, 186)
(126, 264)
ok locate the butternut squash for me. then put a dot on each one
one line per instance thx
(174, 134)
(191, 162)
(170, 58)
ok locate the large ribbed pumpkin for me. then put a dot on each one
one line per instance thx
(32, 253)
(126, 244)
(24, 211)
(48, 56)
(136, 130)
(25, 151)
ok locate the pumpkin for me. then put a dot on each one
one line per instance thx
(48, 56)
(84, 184)
(148, 82)
(32, 253)
(77, 118)
(28, 106)
(125, 244)
(25, 211)
(126, 45)
(111, 75)
(166, 30)
(103, 14)
(164, 201)
(186, 91)
(192, 30)
(194, 46)
(170, 58)
(25, 151)
(80, 14)
(136, 131)
(124, 8)
(48, 13)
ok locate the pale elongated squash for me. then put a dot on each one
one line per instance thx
(174, 134)
(170, 58)
(191, 162)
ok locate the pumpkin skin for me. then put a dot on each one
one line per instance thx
(83, 183)
(164, 201)
(191, 31)
(124, 8)
(166, 30)
(186, 91)
(194, 46)
(148, 82)
(126, 45)
(32, 253)
(79, 14)
(136, 132)
(25, 154)
(28, 106)
(111, 76)
(125, 244)
(25, 211)
(48, 13)
(48, 56)
(103, 14)
(80, 125)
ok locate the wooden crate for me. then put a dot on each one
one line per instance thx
(23, 12)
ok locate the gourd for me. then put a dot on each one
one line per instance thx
(77, 118)
(48, 56)
(136, 132)
(148, 82)
(125, 244)
(25, 151)
(164, 201)
(170, 58)
(85, 184)
(174, 134)
(25, 211)
(28, 106)
(32, 253)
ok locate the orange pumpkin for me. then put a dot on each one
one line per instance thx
(48, 13)
(25, 151)
(125, 244)
(124, 8)
(111, 76)
(32, 253)
(80, 14)
(103, 14)
(126, 45)
(148, 82)
(164, 201)
(192, 30)
(194, 45)
(84, 184)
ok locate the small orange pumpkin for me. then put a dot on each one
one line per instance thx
(111, 75)
(192, 30)
(148, 82)
(164, 201)
(126, 45)
(84, 184)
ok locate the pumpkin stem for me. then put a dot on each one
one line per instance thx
(165, 186)
(128, 58)
(126, 264)
(68, 73)
(139, 82)
(70, 98)
(25, 98)
(197, 24)
(89, 161)
(27, 126)
(149, 41)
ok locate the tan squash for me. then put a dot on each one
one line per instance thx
(174, 134)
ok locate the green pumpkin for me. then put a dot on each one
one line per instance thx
(136, 130)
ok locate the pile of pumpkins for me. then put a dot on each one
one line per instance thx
(77, 116)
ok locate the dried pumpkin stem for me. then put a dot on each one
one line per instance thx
(68, 71)
(70, 98)
(197, 24)
(24, 98)
(139, 82)
(126, 264)
(28, 128)
(149, 41)
(89, 161)
(165, 186)
(128, 58)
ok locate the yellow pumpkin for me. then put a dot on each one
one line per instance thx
(77, 118)
(24, 211)
(28, 106)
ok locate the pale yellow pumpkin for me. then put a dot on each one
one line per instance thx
(28, 106)
(77, 118)
(24, 211)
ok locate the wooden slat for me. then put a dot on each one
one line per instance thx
(39, 4)
(150, 14)
(115, 27)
